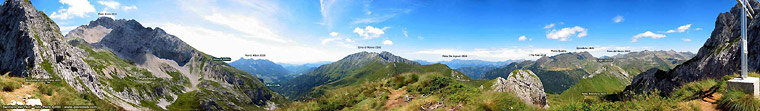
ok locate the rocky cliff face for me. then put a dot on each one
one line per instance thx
(524, 84)
(719, 56)
(151, 67)
(142, 52)
(129, 40)
(31, 45)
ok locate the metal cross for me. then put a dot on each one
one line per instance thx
(746, 8)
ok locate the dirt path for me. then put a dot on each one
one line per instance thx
(396, 98)
(18, 95)
(709, 102)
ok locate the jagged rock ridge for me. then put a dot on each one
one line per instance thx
(219, 85)
(129, 39)
(719, 56)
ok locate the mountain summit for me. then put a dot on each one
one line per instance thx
(719, 56)
(129, 39)
(357, 68)
(121, 64)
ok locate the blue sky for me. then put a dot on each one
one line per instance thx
(298, 31)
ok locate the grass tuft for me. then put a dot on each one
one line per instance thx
(738, 101)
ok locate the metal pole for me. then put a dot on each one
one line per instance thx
(744, 40)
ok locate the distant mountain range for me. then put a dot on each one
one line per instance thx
(272, 72)
(476, 72)
(458, 63)
(472, 68)
(353, 69)
(563, 71)
(300, 69)
(262, 68)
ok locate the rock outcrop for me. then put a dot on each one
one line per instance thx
(31, 45)
(524, 84)
(719, 56)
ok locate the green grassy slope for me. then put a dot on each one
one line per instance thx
(426, 90)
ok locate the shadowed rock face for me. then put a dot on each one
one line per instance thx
(524, 84)
(31, 45)
(130, 40)
(719, 56)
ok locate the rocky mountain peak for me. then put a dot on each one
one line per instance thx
(130, 40)
(110, 23)
(383, 57)
(24, 5)
(31, 45)
(719, 56)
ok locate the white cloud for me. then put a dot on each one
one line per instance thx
(339, 41)
(215, 27)
(325, 7)
(127, 8)
(522, 38)
(66, 29)
(370, 32)
(110, 4)
(387, 42)
(406, 34)
(328, 40)
(565, 33)
(549, 26)
(647, 34)
(618, 19)
(686, 40)
(420, 37)
(333, 34)
(380, 16)
(684, 28)
(680, 29)
(80, 8)
(698, 29)
(246, 24)
(211, 41)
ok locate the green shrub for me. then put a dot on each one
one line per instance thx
(498, 101)
(738, 101)
(403, 80)
(432, 85)
(46, 89)
(693, 90)
(8, 84)
(646, 102)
